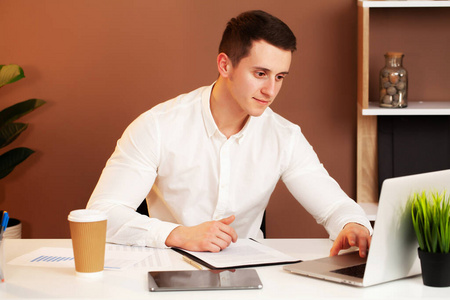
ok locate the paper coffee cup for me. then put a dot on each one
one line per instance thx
(88, 232)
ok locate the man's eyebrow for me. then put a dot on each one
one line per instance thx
(269, 70)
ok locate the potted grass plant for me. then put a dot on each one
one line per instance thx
(10, 130)
(430, 212)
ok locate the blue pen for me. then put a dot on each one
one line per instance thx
(5, 219)
(1, 222)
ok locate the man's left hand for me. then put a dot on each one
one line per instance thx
(352, 234)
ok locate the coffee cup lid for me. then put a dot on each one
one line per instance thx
(86, 215)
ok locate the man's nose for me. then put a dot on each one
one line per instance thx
(269, 88)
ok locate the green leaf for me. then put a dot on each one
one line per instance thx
(10, 159)
(430, 214)
(417, 220)
(10, 74)
(13, 112)
(444, 226)
(10, 132)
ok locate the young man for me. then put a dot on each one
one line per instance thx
(214, 156)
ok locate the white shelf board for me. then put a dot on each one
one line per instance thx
(418, 108)
(404, 3)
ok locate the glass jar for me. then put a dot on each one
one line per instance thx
(393, 82)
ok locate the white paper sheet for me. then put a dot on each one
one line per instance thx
(117, 257)
(156, 258)
(245, 252)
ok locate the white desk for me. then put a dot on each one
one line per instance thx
(62, 283)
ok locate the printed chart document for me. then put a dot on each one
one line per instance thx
(117, 257)
(243, 253)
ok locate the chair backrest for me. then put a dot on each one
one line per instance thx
(142, 209)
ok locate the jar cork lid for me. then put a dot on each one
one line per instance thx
(396, 54)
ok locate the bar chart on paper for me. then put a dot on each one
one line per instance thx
(117, 257)
(47, 257)
(50, 259)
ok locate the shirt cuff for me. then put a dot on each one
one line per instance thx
(157, 237)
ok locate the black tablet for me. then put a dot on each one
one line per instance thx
(199, 280)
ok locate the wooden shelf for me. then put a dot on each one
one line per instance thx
(404, 3)
(415, 108)
(367, 112)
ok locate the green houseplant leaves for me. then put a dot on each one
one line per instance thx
(430, 213)
(9, 129)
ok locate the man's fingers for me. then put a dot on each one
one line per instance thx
(218, 241)
(225, 237)
(364, 245)
(212, 236)
(228, 220)
(334, 250)
(352, 235)
(221, 244)
(351, 239)
(338, 245)
(214, 247)
(228, 229)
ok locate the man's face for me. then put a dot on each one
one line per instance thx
(256, 80)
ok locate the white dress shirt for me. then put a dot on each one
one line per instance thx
(199, 175)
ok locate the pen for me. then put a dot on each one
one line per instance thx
(4, 223)
(192, 263)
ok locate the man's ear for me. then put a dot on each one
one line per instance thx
(224, 64)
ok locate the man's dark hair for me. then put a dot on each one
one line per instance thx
(256, 25)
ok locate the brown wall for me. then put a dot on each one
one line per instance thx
(99, 64)
(423, 35)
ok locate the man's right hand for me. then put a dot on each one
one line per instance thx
(212, 236)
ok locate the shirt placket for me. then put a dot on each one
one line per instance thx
(224, 181)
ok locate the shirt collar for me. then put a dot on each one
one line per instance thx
(210, 124)
(208, 119)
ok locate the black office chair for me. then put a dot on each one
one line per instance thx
(142, 209)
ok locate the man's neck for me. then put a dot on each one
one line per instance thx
(228, 116)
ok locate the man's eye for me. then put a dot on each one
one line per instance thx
(260, 74)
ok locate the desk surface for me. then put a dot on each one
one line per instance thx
(47, 283)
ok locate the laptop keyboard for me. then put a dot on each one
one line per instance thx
(355, 271)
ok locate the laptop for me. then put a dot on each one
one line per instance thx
(393, 250)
